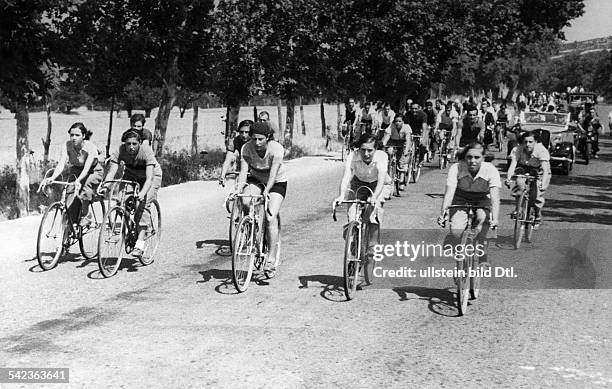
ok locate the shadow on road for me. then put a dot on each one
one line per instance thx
(225, 285)
(441, 301)
(222, 249)
(333, 289)
(65, 258)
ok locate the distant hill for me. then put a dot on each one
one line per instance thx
(585, 47)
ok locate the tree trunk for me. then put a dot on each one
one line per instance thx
(231, 126)
(279, 107)
(254, 113)
(323, 131)
(339, 121)
(22, 147)
(194, 131)
(47, 141)
(110, 126)
(147, 112)
(168, 98)
(288, 139)
(182, 111)
(402, 104)
(302, 123)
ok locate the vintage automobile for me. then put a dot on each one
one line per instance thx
(554, 132)
(577, 101)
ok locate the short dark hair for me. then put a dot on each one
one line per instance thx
(245, 123)
(367, 138)
(131, 134)
(472, 145)
(398, 116)
(137, 117)
(86, 133)
(528, 134)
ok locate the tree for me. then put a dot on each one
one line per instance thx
(27, 60)
(138, 95)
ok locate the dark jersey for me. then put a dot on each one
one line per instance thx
(236, 144)
(469, 132)
(416, 120)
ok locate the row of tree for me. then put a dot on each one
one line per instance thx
(237, 49)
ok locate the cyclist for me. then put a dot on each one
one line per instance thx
(475, 182)
(417, 119)
(262, 157)
(352, 118)
(431, 122)
(488, 119)
(446, 125)
(233, 150)
(82, 156)
(137, 122)
(366, 118)
(367, 166)
(472, 129)
(397, 136)
(533, 158)
(385, 117)
(141, 167)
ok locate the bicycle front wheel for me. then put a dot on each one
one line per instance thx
(351, 260)
(244, 254)
(519, 222)
(88, 237)
(529, 223)
(110, 242)
(463, 278)
(153, 219)
(416, 173)
(51, 236)
(235, 216)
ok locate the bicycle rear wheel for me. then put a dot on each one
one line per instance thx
(351, 260)
(88, 236)
(153, 219)
(519, 225)
(110, 242)
(244, 253)
(51, 236)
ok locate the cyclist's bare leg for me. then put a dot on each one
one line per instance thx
(276, 200)
(250, 189)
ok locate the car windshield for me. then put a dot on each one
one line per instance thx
(548, 118)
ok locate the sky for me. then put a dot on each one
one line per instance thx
(595, 23)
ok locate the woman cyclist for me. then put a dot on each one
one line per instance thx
(82, 156)
(475, 182)
(141, 167)
(367, 167)
(232, 156)
(262, 157)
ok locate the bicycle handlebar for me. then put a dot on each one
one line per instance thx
(335, 204)
(265, 198)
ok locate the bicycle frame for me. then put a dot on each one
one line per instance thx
(260, 223)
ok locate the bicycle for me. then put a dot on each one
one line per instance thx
(414, 166)
(468, 271)
(524, 215)
(355, 245)
(119, 231)
(347, 130)
(445, 153)
(393, 171)
(58, 232)
(251, 243)
(235, 211)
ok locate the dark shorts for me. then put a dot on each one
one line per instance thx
(278, 187)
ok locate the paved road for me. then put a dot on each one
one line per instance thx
(179, 322)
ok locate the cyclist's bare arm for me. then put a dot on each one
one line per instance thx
(60, 165)
(380, 184)
(88, 162)
(547, 174)
(229, 157)
(449, 194)
(244, 167)
(511, 168)
(346, 178)
(148, 182)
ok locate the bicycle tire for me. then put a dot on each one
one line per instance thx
(463, 279)
(56, 215)
(88, 236)
(408, 176)
(243, 256)
(351, 260)
(416, 173)
(269, 274)
(235, 216)
(519, 227)
(110, 242)
(153, 235)
(476, 280)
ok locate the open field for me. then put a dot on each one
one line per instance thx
(178, 135)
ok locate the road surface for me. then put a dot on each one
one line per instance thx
(180, 323)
